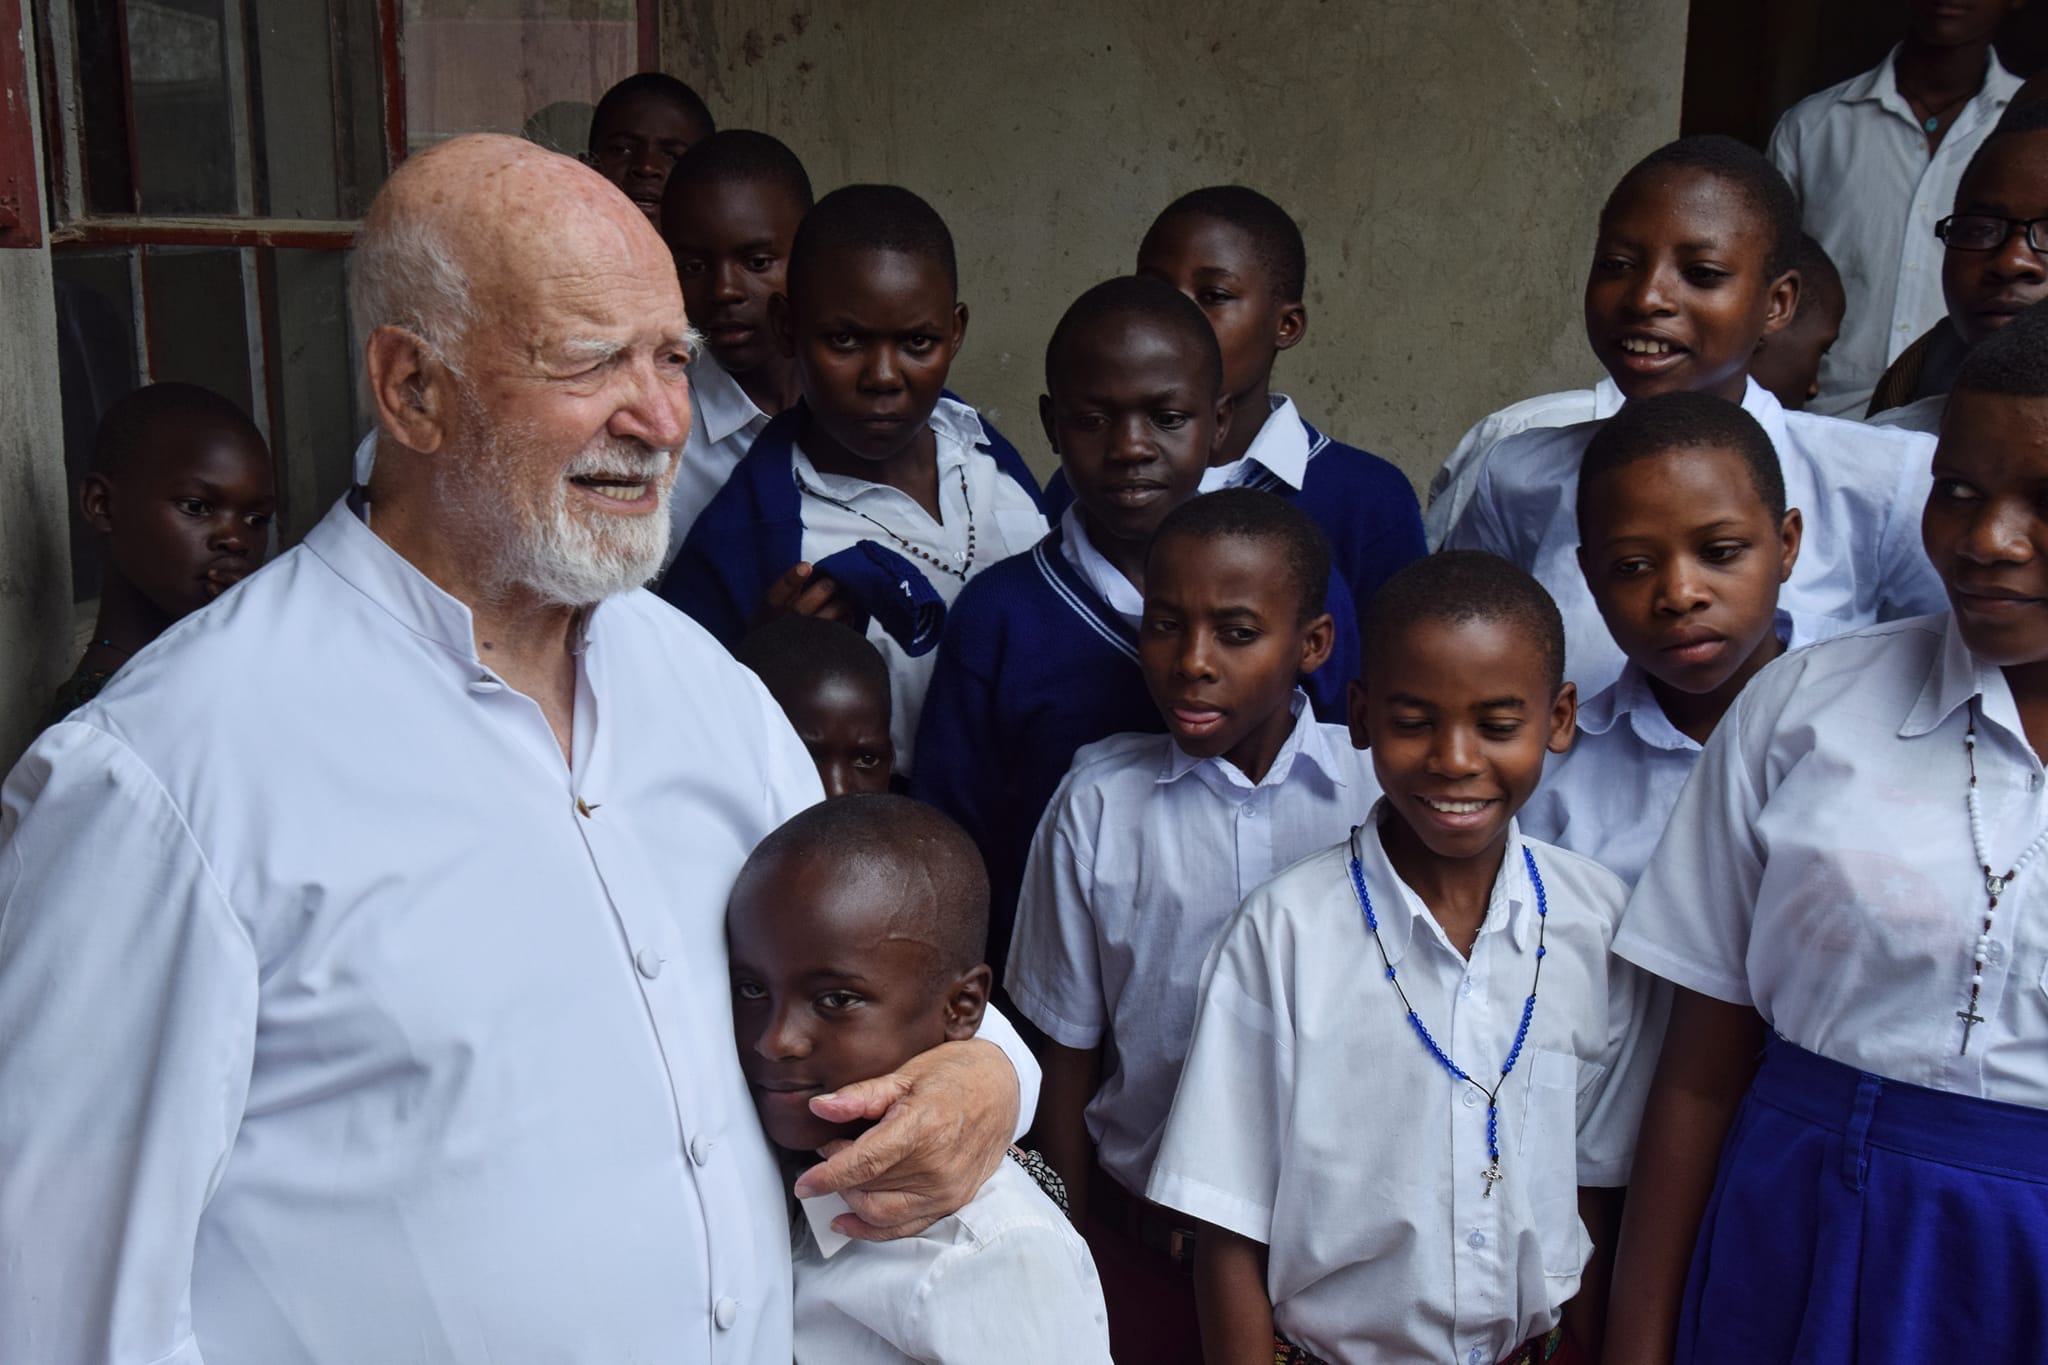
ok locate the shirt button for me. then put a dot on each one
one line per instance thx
(1994, 952)
(700, 1149)
(1475, 1240)
(483, 687)
(1471, 1097)
(649, 963)
(1465, 988)
(1249, 810)
(1475, 1356)
(725, 1313)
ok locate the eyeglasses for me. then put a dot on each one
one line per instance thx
(1982, 232)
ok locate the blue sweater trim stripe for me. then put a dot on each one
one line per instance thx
(1073, 596)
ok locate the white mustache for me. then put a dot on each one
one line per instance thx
(623, 460)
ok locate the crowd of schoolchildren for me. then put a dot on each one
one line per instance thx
(1618, 934)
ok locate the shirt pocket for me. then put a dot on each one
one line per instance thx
(1550, 1159)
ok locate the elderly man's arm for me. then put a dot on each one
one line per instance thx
(945, 1119)
(128, 1003)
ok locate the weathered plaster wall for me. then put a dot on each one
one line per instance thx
(1445, 158)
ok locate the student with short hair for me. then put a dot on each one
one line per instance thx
(1041, 653)
(834, 687)
(1240, 257)
(1684, 540)
(1991, 269)
(180, 495)
(1408, 1107)
(880, 494)
(1851, 889)
(855, 935)
(641, 126)
(1691, 269)
(729, 216)
(1787, 362)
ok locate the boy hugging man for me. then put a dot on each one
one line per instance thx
(1144, 853)
(1692, 268)
(879, 494)
(1041, 653)
(1416, 1070)
(855, 935)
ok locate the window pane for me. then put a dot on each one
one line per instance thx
(96, 363)
(312, 377)
(490, 65)
(318, 140)
(186, 129)
(198, 322)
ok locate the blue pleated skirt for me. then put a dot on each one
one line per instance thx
(1861, 1221)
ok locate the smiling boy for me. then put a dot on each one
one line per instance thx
(1389, 1124)
(1691, 269)
(1144, 852)
(855, 935)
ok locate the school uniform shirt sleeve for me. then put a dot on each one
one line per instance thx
(1910, 586)
(1450, 490)
(1689, 918)
(705, 585)
(1011, 1296)
(1055, 967)
(1479, 527)
(117, 1106)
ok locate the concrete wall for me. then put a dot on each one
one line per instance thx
(35, 565)
(1445, 158)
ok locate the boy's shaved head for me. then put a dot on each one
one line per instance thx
(741, 154)
(648, 85)
(1275, 237)
(793, 652)
(2012, 361)
(142, 422)
(1459, 586)
(1140, 297)
(1648, 427)
(1820, 283)
(1740, 165)
(1267, 519)
(2028, 117)
(931, 871)
(872, 218)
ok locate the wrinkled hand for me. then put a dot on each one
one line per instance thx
(802, 591)
(945, 1119)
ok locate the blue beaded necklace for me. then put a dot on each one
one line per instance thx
(1492, 1173)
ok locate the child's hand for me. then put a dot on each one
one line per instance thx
(805, 592)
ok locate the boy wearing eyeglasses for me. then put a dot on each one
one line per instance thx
(1994, 267)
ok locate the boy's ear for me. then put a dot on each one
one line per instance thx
(779, 324)
(1354, 712)
(1226, 409)
(1781, 301)
(1052, 434)
(966, 999)
(95, 502)
(959, 327)
(1317, 640)
(1293, 325)
(1564, 718)
(1790, 531)
(411, 389)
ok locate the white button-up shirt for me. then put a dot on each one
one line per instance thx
(1005, 1279)
(723, 425)
(1312, 1119)
(1143, 855)
(1609, 796)
(1280, 449)
(1452, 487)
(1004, 520)
(1922, 415)
(346, 1022)
(1107, 580)
(1819, 865)
(1860, 489)
(1871, 194)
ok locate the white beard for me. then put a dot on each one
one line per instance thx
(551, 552)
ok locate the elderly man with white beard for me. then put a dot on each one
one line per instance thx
(363, 991)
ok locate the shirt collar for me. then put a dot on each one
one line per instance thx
(1881, 83)
(1511, 905)
(1280, 448)
(1119, 593)
(1306, 743)
(1629, 697)
(1956, 676)
(722, 406)
(1607, 399)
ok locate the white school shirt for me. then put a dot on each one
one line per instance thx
(723, 425)
(1452, 486)
(1859, 488)
(1005, 523)
(1005, 1279)
(375, 1030)
(1608, 796)
(1105, 578)
(1311, 1118)
(1140, 860)
(1922, 415)
(1871, 194)
(1819, 865)
(1280, 449)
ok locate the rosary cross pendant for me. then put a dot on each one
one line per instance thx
(1970, 1019)
(1493, 1177)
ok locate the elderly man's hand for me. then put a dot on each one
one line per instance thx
(945, 1122)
